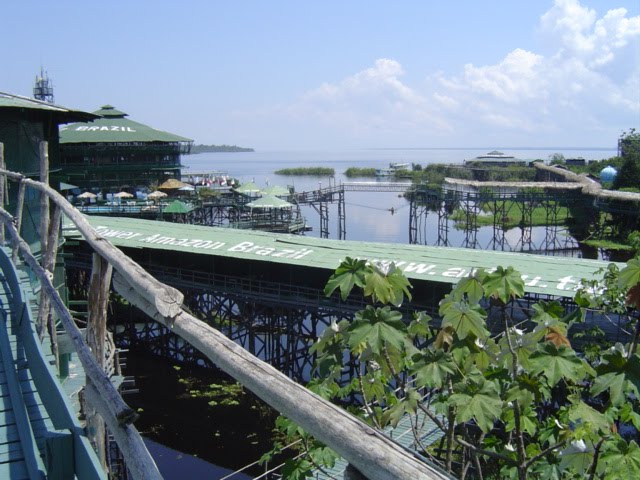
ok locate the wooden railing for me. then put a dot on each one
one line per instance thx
(368, 450)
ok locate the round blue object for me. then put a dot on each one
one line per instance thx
(608, 174)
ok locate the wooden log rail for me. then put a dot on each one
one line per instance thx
(372, 453)
(113, 409)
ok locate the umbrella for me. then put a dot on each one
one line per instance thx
(248, 188)
(123, 195)
(177, 207)
(172, 184)
(187, 188)
(156, 195)
(269, 201)
(87, 195)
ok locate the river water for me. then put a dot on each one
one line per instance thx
(370, 216)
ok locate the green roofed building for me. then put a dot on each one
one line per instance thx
(24, 123)
(114, 153)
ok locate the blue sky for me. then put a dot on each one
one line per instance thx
(336, 75)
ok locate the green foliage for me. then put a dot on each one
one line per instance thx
(314, 171)
(464, 319)
(525, 403)
(479, 399)
(352, 172)
(350, 273)
(375, 328)
(218, 148)
(556, 159)
(557, 363)
(629, 172)
(205, 192)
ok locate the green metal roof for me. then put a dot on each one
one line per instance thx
(10, 101)
(269, 201)
(557, 276)
(113, 127)
(177, 207)
(276, 190)
(249, 187)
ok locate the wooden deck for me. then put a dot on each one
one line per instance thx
(23, 418)
(40, 436)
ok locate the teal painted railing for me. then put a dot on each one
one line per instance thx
(68, 451)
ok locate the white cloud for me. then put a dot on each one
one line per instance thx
(515, 78)
(582, 35)
(584, 91)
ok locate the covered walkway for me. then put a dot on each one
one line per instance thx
(544, 275)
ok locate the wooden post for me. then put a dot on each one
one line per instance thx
(117, 407)
(43, 312)
(18, 218)
(3, 183)
(98, 300)
(136, 456)
(49, 262)
(168, 300)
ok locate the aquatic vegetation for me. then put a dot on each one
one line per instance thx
(315, 171)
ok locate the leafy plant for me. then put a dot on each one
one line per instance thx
(521, 403)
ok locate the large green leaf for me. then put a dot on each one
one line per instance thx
(431, 368)
(557, 363)
(547, 314)
(350, 272)
(465, 320)
(323, 456)
(528, 420)
(628, 415)
(588, 420)
(504, 284)
(419, 326)
(297, 469)
(619, 375)
(388, 286)
(373, 327)
(471, 287)
(620, 460)
(630, 275)
(577, 457)
(482, 404)
(406, 405)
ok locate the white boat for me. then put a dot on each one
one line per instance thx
(394, 167)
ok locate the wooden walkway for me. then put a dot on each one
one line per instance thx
(39, 435)
(23, 418)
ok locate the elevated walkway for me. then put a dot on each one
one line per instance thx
(546, 275)
(40, 436)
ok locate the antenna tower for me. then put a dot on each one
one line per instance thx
(43, 88)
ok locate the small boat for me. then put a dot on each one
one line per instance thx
(394, 167)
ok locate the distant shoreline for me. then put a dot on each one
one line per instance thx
(219, 149)
(598, 149)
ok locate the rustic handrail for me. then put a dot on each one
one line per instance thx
(168, 300)
(112, 408)
(368, 450)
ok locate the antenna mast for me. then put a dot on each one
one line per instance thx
(43, 88)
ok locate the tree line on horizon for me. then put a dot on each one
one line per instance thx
(200, 148)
